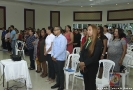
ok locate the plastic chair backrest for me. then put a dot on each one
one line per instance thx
(108, 66)
(67, 55)
(22, 44)
(127, 60)
(76, 50)
(129, 52)
(74, 61)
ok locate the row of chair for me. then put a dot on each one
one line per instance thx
(107, 66)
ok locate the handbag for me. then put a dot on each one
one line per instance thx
(115, 79)
(15, 57)
(122, 69)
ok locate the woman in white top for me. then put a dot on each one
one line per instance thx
(7, 37)
(47, 53)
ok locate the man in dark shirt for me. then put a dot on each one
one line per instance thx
(77, 37)
(3, 38)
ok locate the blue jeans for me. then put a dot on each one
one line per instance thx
(13, 43)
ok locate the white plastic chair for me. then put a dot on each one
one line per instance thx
(77, 75)
(108, 66)
(22, 48)
(74, 63)
(76, 50)
(129, 52)
(66, 61)
(124, 75)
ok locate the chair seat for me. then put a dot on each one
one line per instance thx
(78, 75)
(103, 81)
(124, 73)
(66, 72)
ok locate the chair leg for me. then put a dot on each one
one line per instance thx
(123, 82)
(73, 82)
(16, 52)
(83, 85)
(67, 80)
(23, 55)
(109, 87)
(127, 79)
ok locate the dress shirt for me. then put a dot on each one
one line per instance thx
(48, 41)
(29, 41)
(12, 33)
(59, 48)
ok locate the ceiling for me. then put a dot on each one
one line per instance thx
(75, 2)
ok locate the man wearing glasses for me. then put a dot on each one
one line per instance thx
(58, 56)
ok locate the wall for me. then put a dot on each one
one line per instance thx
(15, 14)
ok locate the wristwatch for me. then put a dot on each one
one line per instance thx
(102, 54)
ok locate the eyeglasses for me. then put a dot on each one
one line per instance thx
(56, 29)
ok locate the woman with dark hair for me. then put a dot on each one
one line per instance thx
(90, 56)
(104, 41)
(104, 49)
(117, 49)
(70, 38)
(40, 54)
(7, 39)
(30, 47)
(129, 32)
(47, 53)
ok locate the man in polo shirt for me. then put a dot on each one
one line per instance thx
(58, 54)
(13, 38)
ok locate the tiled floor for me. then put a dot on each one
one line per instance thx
(40, 83)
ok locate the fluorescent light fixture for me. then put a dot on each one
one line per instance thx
(115, 4)
(81, 6)
(91, 0)
(127, 3)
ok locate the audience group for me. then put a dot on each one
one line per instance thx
(48, 47)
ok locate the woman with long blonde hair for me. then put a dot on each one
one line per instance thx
(90, 56)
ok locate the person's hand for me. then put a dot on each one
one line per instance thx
(102, 57)
(45, 53)
(120, 62)
(82, 68)
(33, 43)
(82, 64)
(54, 59)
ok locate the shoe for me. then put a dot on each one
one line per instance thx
(61, 88)
(55, 86)
(31, 68)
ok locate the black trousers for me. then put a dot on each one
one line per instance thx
(51, 69)
(9, 46)
(90, 76)
(59, 65)
(4, 43)
(32, 62)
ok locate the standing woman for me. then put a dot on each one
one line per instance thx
(117, 49)
(29, 44)
(104, 49)
(89, 58)
(40, 54)
(47, 52)
(104, 41)
(69, 36)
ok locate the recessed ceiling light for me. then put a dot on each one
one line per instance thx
(127, 3)
(91, 0)
(81, 6)
(115, 4)
(91, 6)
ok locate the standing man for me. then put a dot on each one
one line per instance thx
(58, 56)
(13, 39)
(3, 38)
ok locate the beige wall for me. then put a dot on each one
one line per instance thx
(15, 14)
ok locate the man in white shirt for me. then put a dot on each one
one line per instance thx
(107, 34)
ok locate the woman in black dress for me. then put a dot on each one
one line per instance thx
(90, 56)
(104, 49)
(40, 54)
